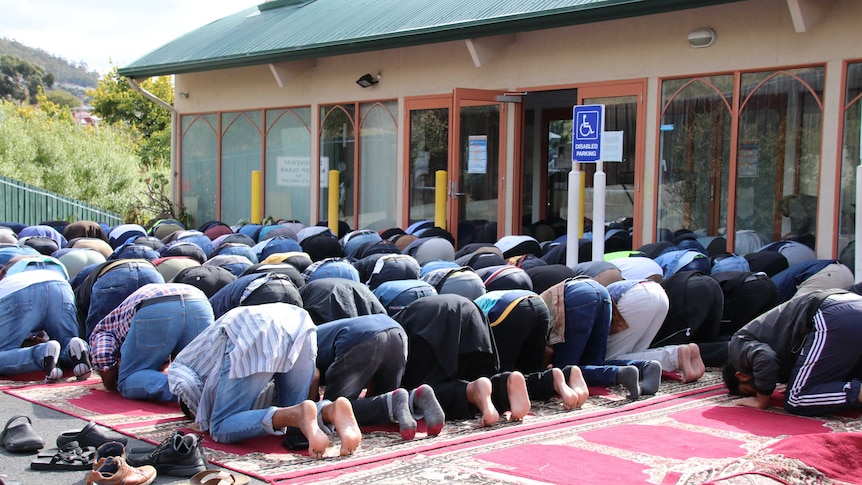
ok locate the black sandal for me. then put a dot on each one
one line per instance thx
(70, 457)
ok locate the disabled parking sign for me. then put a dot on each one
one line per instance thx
(588, 126)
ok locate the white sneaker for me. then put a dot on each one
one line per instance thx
(80, 355)
(49, 361)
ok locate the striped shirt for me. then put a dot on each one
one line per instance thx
(110, 333)
(266, 338)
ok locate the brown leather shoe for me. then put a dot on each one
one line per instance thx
(115, 471)
(111, 448)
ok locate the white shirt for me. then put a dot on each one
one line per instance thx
(16, 281)
(267, 338)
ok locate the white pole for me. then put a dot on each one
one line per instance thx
(599, 213)
(856, 244)
(574, 218)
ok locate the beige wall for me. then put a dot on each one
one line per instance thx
(753, 34)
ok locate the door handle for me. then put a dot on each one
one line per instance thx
(452, 191)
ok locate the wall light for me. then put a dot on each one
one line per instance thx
(700, 38)
(184, 94)
(367, 80)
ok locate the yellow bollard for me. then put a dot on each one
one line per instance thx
(256, 212)
(332, 214)
(583, 192)
(441, 178)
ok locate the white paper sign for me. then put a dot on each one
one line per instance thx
(477, 156)
(612, 146)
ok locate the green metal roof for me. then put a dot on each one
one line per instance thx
(286, 30)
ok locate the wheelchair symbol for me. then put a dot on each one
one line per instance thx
(585, 129)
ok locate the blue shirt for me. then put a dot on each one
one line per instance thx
(335, 338)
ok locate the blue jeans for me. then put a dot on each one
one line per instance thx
(114, 286)
(48, 306)
(588, 323)
(158, 331)
(233, 415)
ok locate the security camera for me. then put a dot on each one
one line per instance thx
(704, 37)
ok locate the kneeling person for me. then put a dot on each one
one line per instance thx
(221, 374)
(152, 324)
(813, 342)
(370, 352)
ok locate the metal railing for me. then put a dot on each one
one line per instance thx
(27, 204)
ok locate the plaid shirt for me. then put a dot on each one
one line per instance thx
(110, 333)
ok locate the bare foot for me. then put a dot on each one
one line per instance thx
(304, 417)
(566, 393)
(340, 414)
(579, 385)
(519, 400)
(690, 362)
(696, 361)
(479, 395)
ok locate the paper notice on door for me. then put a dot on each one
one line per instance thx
(477, 154)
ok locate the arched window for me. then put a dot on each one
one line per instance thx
(288, 164)
(199, 167)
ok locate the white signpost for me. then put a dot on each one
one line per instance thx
(591, 144)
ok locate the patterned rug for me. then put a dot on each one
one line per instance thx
(687, 433)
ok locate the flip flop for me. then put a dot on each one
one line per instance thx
(70, 457)
(218, 477)
(20, 438)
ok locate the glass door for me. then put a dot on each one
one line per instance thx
(557, 130)
(428, 152)
(624, 196)
(476, 177)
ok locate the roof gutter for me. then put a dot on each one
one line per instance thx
(152, 97)
(174, 174)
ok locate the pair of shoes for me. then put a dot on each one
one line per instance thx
(79, 352)
(218, 477)
(20, 437)
(69, 457)
(179, 455)
(115, 471)
(90, 435)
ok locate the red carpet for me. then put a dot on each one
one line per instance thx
(688, 433)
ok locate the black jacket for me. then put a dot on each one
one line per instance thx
(767, 347)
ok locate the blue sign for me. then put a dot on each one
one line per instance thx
(588, 125)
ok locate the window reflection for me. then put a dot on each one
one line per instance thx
(851, 157)
(777, 156)
(199, 159)
(288, 164)
(240, 155)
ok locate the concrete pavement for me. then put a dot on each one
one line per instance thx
(48, 424)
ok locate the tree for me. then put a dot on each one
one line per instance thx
(118, 104)
(43, 146)
(21, 80)
(63, 98)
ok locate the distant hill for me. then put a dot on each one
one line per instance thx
(65, 72)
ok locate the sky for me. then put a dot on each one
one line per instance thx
(106, 33)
